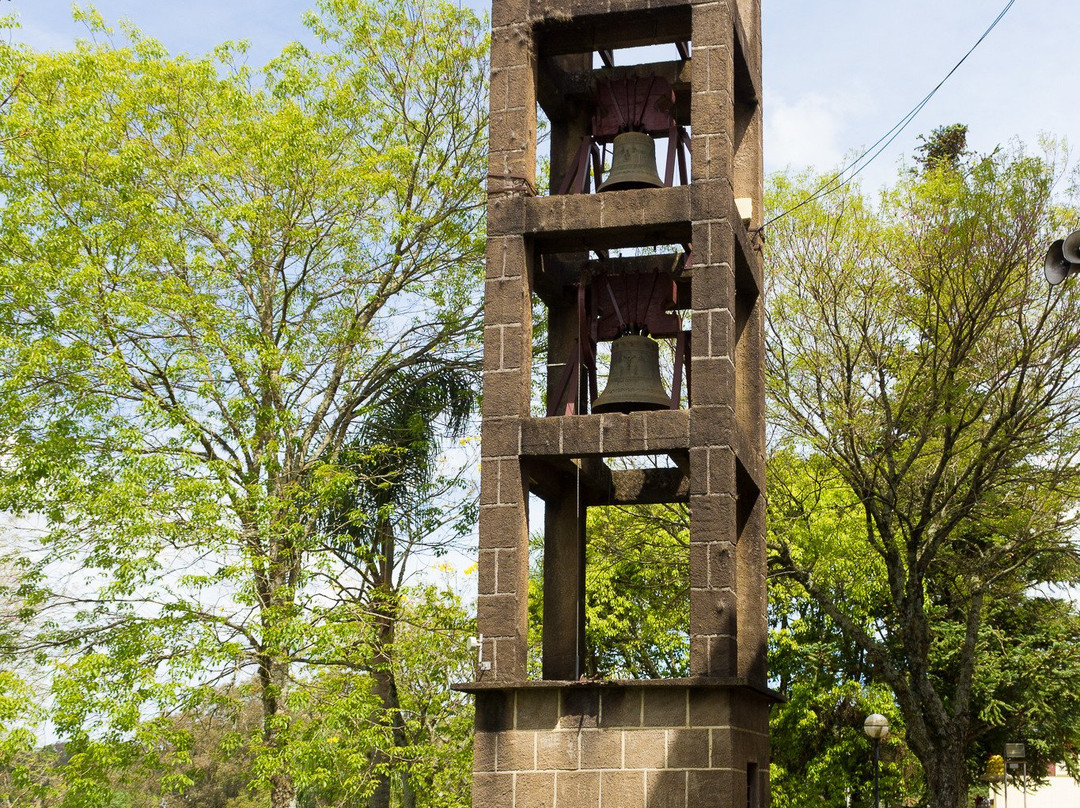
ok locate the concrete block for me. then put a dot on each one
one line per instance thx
(752, 714)
(710, 708)
(537, 709)
(501, 526)
(516, 752)
(557, 750)
(717, 244)
(500, 437)
(601, 749)
(498, 615)
(620, 707)
(722, 756)
(712, 655)
(531, 791)
(667, 429)
(506, 302)
(510, 576)
(510, 658)
(713, 382)
(494, 711)
(688, 749)
(622, 789)
(541, 436)
(721, 331)
(710, 427)
(505, 214)
(712, 518)
(721, 470)
(699, 463)
(645, 749)
(507, 12)
(703, 786)
(505, 255)
(622, 433)
(506, 393)
(484, 744)
(722, 566)
(516, 350)
(712, 611)
(665, 789)
(580, 709)
(492, 789)
(511, 44)
(486, 572)
(713, 25)
(493, 347)
(577, 789)
(719, 70)
(665, 707)
(580, 434)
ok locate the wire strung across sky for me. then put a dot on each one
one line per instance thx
(838, 180)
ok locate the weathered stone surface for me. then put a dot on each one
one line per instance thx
(516, 752)
(665, 789)
(601, 749)
(531, 790)
(620, 707)
(631, 746)
(645, 749)
(688, 749)
(492, 789)
(557, 750)
(577, 789)
(665, 707)
(622, 789)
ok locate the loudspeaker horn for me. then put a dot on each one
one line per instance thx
(1070, 248)
(1055, 267)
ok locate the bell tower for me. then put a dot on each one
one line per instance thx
(653, 254)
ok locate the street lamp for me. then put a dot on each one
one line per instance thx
(877, 727)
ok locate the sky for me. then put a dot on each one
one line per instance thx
(838, 74)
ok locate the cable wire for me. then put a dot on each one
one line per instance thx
(835, 183)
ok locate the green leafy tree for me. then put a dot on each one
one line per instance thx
(208, 276)
(393, 510)
(924, 377)
(637, 593)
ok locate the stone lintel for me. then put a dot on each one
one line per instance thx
(607, 435)
(580, 26)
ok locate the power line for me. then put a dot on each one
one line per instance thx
(836, 182)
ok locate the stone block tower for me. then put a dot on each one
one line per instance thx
(559, 739)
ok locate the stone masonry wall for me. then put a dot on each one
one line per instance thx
(619, 746)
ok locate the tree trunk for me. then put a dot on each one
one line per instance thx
(946, 780)
(385, 610)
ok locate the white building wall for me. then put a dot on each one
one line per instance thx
(1060, 791)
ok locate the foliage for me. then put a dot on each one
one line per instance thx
(637, 593)
(923, 384)
(944, 148)
(209, 275)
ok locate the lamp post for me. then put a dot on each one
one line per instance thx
(877, 727)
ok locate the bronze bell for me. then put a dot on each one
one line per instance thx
(633, 378)
(633, 163)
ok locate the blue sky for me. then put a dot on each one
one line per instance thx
(837, 73)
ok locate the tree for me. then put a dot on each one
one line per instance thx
(637, 593)
(922, 374)
(389, 512)
(209, 276)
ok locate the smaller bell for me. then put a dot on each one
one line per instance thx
(633, 163)
(633, 378)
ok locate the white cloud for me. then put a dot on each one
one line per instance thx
(806, 131)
